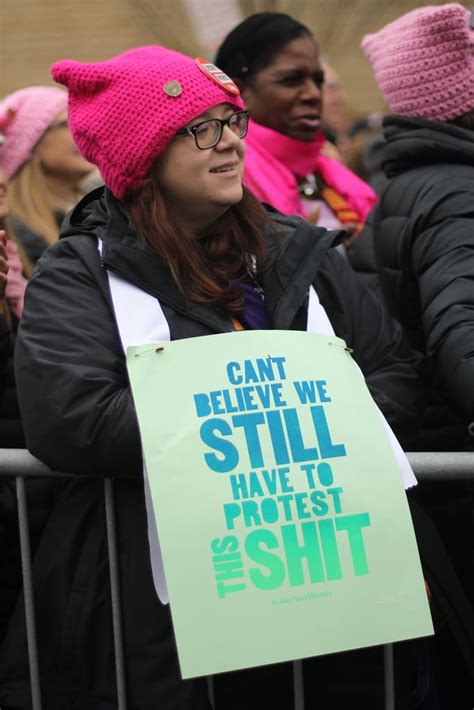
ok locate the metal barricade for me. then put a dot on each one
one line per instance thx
(20, 464)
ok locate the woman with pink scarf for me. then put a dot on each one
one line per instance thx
(275, 61)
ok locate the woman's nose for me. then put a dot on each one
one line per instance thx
(229, 139)
(311, 91)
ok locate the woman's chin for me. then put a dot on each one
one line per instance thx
(306, 135)
(233, 197)
(227, 204)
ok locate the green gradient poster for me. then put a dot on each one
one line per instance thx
(282, 518)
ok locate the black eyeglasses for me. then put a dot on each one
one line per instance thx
(58, 124)
(207, 134)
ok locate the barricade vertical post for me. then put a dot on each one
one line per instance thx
(28, 592)
(210, 691)
(389, 677)
(115, 592)
(298, 685)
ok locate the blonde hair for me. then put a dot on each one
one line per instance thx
(30, 200)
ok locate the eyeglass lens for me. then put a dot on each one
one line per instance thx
(209, 132)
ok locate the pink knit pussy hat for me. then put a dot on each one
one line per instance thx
(424, 62)
(123, 112)
(24, 117)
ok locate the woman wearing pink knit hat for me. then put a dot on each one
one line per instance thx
(423, 233)
(42, 164)
(423, 228)
(175, 233)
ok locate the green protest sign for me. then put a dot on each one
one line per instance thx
(282, 518)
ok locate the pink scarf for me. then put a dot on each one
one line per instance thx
(274, 164)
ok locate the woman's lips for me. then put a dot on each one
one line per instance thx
(227, 170)
(309, 122)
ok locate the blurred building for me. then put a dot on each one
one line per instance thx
(35, 33)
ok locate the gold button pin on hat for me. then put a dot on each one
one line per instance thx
(173, 88)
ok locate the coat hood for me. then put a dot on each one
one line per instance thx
(89, 216)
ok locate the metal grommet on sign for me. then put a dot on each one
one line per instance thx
(173, 88)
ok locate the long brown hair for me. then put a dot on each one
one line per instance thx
(205, 269)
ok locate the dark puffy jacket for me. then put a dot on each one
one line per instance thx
(79, 417)
(32, 243)
(423, 231)
(5, 494)
(4, 350)
(39, 492)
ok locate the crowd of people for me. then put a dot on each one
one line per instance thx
(221, 197)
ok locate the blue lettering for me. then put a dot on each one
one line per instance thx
(226, 448)
(232, 369)
(249, 423)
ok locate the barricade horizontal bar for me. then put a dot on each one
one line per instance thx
(427, 466)
(442, 465)
(19, 462)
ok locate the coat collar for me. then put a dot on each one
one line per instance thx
(296, 253)
(415, 142)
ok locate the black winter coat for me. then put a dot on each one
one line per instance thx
(423, 232)
(4, 350)
(79, 417)
(422, 237)
(6, 583)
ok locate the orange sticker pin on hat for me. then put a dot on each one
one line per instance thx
(214, 73)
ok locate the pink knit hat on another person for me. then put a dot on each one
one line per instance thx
(424, 62)
(24, 117)
(123, 112)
